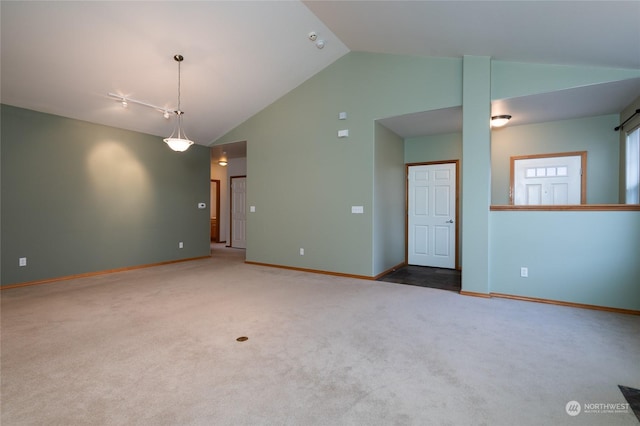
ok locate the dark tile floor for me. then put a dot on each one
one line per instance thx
(424, 276)
(633, 398)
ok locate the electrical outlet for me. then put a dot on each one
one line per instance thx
(524, 272)
(180, 244)
(301, 251)
(22, 261)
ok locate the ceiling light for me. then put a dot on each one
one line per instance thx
(180, 142)
(500, 120)
(223, 160)
(126, 101)
(320, 44)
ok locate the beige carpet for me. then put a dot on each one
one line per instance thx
(158, 346)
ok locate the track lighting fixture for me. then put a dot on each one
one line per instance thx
(125, 101)
(178, 141)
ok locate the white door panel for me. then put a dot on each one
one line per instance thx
(548, 181)
(431, 215)
(238, 212)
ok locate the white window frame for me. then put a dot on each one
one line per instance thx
(632, 167)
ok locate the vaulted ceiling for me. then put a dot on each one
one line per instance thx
(66, 57)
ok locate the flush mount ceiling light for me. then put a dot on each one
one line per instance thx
(178, 141)
(223, 160)
(500, 120)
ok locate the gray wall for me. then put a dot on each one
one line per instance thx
(79, 197)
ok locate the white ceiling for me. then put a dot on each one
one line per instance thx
(599, 33)
(64, 57)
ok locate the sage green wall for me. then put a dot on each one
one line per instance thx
(389, 201)
(476, 173)
(513, 79)
(592, 134)
(588, 257)
(574, 256)
(303, 180)
(433, 148)
(79, 197)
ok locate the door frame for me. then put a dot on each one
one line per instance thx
(231, 178)
(457, 208)
(217, 196)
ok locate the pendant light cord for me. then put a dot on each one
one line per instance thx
(180, 142)
(179, 59)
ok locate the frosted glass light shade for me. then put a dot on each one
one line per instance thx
(500, 120)
(178, 144)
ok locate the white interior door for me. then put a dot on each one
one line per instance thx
(547, 181)
(431, 215)
(238, 212)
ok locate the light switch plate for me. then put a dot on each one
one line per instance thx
(342, 115)
(343, 133)
(357, 209)
(252, 209)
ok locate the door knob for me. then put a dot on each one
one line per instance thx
(449, 221)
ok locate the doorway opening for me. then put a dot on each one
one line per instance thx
(215, 210)
(432, 231)
(431, 227)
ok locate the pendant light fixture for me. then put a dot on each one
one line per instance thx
(178, 142)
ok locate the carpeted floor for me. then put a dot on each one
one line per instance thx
(159, 346)
(424, 276)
